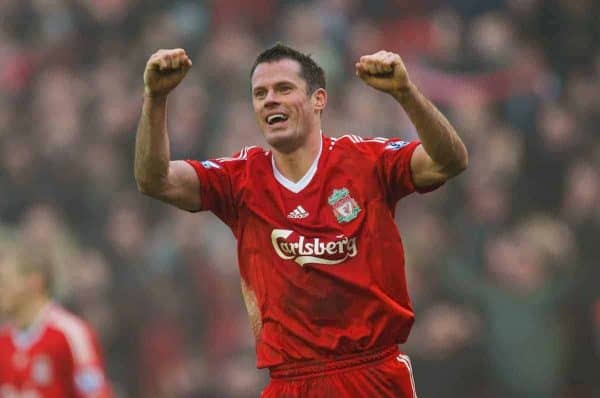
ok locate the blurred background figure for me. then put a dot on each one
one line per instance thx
(46, 351)
(503, 263)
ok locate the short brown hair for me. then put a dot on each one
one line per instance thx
(310, 71)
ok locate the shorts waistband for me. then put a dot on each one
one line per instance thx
(322, 367)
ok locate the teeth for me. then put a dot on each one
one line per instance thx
(275, 117)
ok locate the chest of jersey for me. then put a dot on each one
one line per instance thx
(323, 222)
(37, 371)
(321, 260)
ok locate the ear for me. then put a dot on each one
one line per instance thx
(319, 99)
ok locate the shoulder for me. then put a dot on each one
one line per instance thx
(367, 146)
(251, 160)
(76, 332)
(246, 154)
(237, 161)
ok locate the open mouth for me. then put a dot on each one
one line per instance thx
(276, 118)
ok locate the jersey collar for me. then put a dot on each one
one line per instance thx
(23, 339)
(302, 183)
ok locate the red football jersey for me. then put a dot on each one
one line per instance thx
(57, 357)
(321, 260)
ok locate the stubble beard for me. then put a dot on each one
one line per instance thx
(285, 141)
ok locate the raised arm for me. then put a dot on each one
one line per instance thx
(442, 154)
(174, 182)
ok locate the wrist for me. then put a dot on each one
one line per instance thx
(404, 93)
(154, 96)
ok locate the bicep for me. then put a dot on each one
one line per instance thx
(424, 171)
(183, 187)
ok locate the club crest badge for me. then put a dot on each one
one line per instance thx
(41, 370)
(344, 206)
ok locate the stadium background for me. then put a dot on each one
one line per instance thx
(503, 262)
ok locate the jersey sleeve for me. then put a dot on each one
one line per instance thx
(394, 163)
(89, 378)
(216, 188)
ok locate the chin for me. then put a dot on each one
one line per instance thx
(283, 141)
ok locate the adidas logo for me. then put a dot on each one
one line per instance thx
(298, 212)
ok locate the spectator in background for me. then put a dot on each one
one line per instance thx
(519, 294)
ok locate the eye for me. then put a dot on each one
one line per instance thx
(259, 94)
(285, 89)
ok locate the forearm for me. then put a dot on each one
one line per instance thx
(152, 151)
(438, 137)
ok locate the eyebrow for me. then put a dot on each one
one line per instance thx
(277, 84)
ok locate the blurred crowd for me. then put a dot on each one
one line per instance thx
(503, 262)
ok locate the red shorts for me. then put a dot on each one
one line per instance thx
(382, 373)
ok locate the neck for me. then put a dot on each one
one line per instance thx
(294, 165)
(26, 315)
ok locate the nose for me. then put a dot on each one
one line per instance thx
(271, 99)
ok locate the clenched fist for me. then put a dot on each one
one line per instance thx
(384, 71)
(164, 71)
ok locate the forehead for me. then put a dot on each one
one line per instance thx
(270, 73)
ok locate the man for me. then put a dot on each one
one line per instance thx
(320, 257)
(45, 352)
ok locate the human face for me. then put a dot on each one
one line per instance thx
(13, 287)
(285, 112)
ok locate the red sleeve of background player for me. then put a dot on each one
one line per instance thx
(88, 371)
(395, 167)
(88, 376)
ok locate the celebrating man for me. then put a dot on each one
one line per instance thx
(320, 257)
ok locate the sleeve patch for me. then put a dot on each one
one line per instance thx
(209, 164)
(89, 381)
(395, 145)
